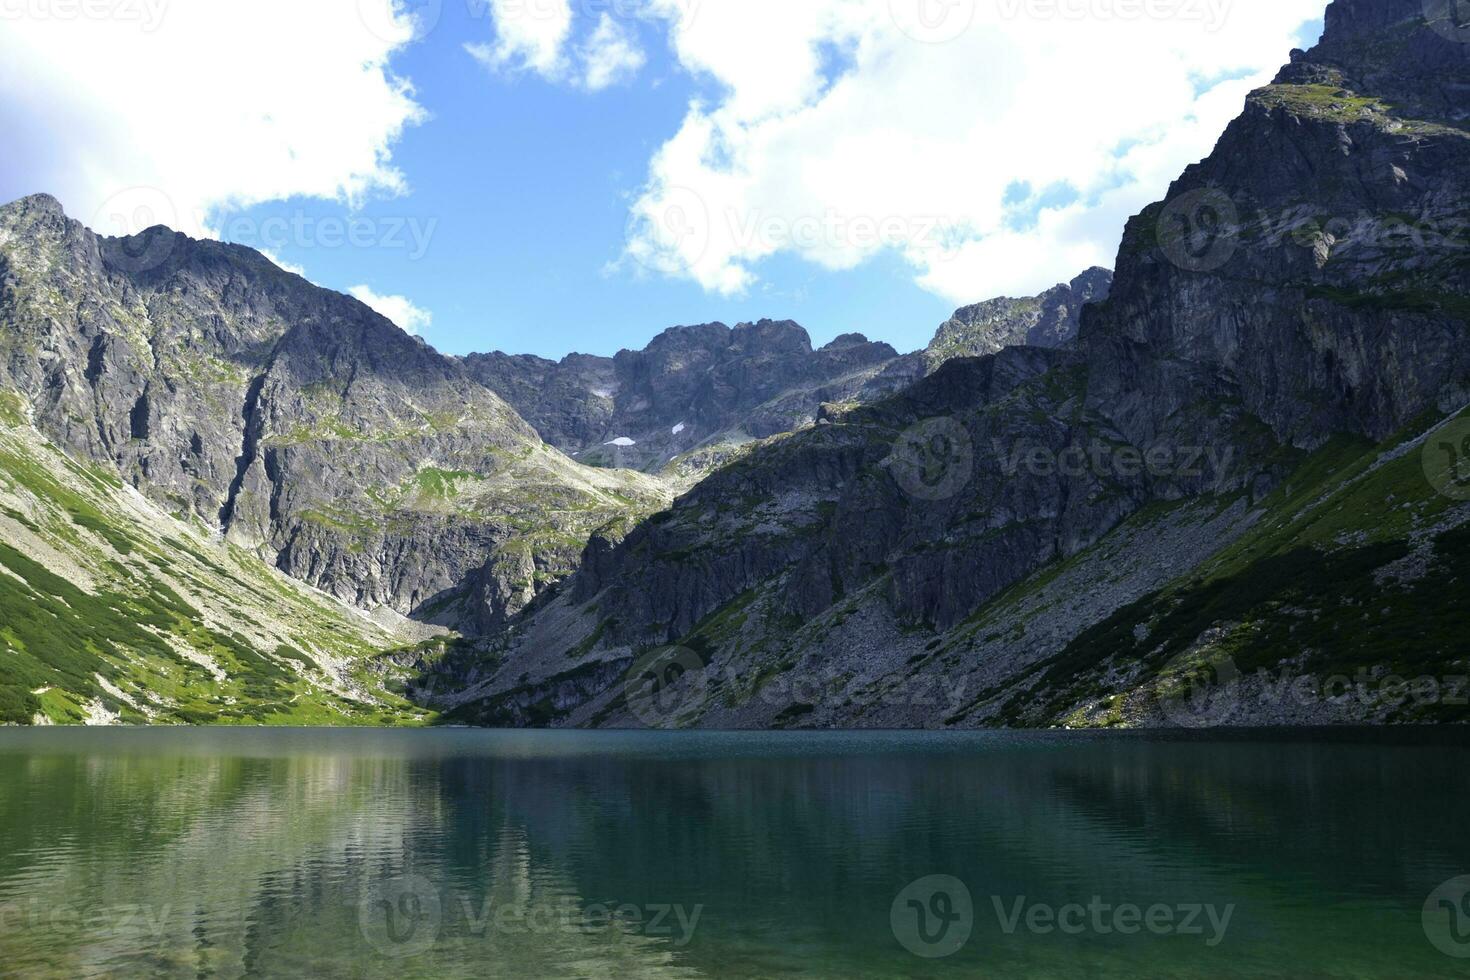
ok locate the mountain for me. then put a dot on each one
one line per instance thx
(1246, 463)
(188, 429)
(113, 610)
(1049, 320)
(697, 396)
(302, 426)
(691, 389)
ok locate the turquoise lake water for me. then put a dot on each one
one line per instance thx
(187, 853)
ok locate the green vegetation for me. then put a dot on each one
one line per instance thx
(1321, 101)
(95, 623)
(1348, 570)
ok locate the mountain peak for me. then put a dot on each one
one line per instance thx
(37, 203)
(1049, 320)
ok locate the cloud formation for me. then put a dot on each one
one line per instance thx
(409, 318)
(997, 147)
(537, 37)
(142, 111)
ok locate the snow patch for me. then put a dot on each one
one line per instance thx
(622, 441)
(680, 428)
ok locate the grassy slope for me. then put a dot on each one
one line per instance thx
(111, 610)
(1357, 565)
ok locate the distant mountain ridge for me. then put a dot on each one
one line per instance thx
(694, 390)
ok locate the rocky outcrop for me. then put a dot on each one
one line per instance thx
(695, 392)
(1305, 280)
(1049, 320)
(1312, 268)
(691, 389)
(296, 421)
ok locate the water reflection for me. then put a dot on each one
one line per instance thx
(206, 853)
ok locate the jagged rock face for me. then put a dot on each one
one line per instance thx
(691, 388)
(695, 390)
(1049, 320)
(1219, 343)
(300, 423)
(1313, 267)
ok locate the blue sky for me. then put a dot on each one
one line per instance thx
(526, 186)
(724, 171)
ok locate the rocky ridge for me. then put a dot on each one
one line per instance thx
(1301, 285)
(697, 396)
(1052, 319)
(296, 421)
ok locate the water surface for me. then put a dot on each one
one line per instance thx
(183, 853)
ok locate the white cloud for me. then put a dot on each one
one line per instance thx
(197, 104)
(915, 146)
(610, 55)
(399, 309)
(529, 35)
(281, 263)
(535, 36)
